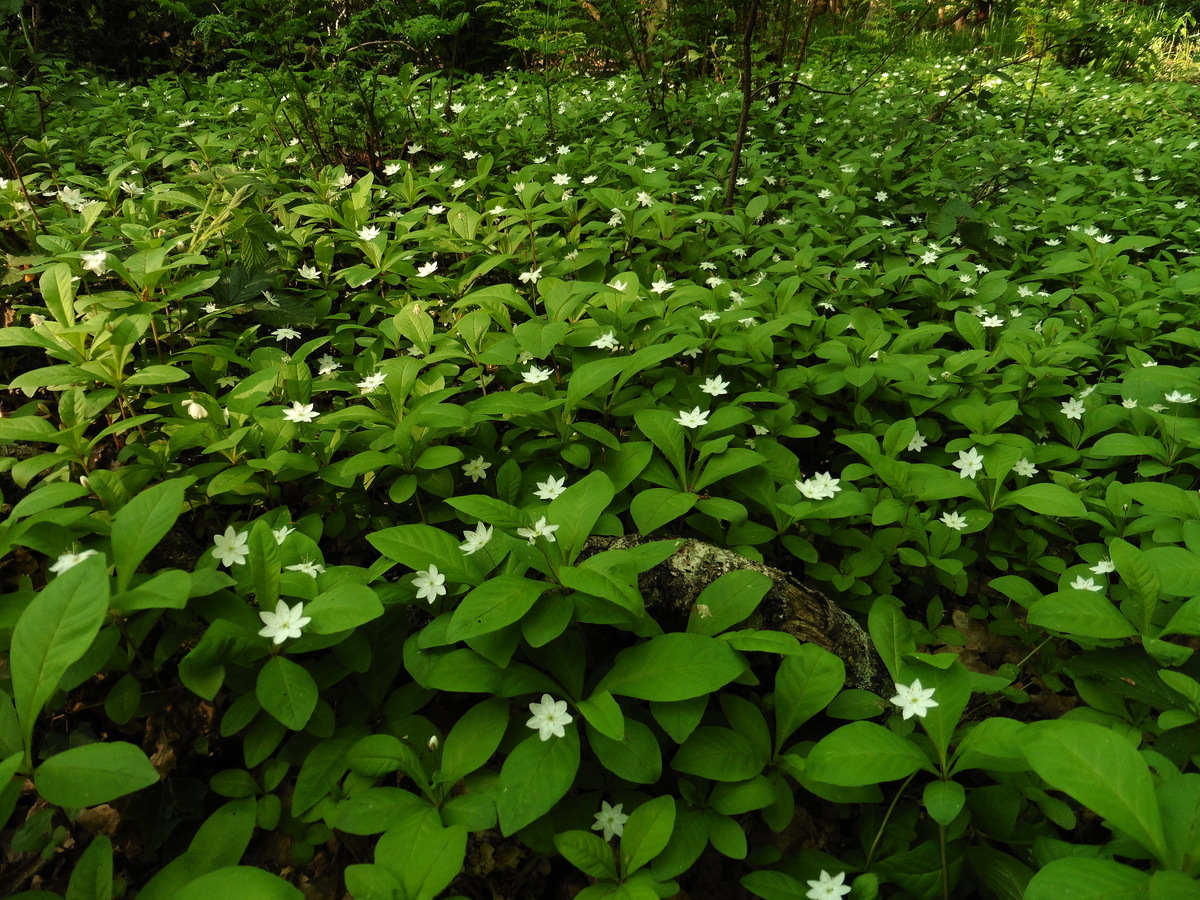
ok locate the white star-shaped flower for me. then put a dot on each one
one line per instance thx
(606, 341)
(693, 419)
(231, 548)
(536, 375)
(539, 529)
(371, 382)
(969, 463)
(430, 583)
(308, 567)
(95, 262)
(1024, 468)
(70, 561)
(549, 717)
(913, 700)
(1073, 408)
(550, 488)
(300, 412)
(476, 540)
(828, 887)
(715, 386)
(820, 487)
(284, 623)
(1086, 584)
(954, 520)
(610, 820)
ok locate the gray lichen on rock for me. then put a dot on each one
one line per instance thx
(670, 590)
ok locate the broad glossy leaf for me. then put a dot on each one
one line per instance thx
(535, 776)
(863, 753)
(1081, 878)
(673, 666)
(53, 632)
(1101, 770)
(239, 881)
(498, 602)
(287, 691)
(647, 833)
(94, 774)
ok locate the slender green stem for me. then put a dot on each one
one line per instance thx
(883, 824)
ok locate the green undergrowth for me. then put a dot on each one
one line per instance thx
(304, 456)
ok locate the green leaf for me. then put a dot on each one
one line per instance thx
(587, 852)
(381, 754)
(535, 776)
(993, 743)
(679, 718)
(660, 427)
(719, 754)
(264, 564)
(635, 756)
(730, 599)
(1178, 570)
(1179, 802)
(1080, 612)
(58, 293)
(473, 739)
(944, 800)
(647, 833)
(655, 507)
(416, 546)
(772, 885)
(371, 882)
(239, 881)
(1080, 878)
(376, 809)
(604, 714)
(423, 854)
(863, 753)
(804, 685)
(608, 578)
(576, 510)
(723, 465)
(1138, 575)
(688, 840)
(672, 666)
(498, 602)
(1004, 875)
(221, 841)
(141, 523)
(586, 379)
(94, 774)
(344, 606)
(891, 632)
(55, 631)
(321, 770)
(287, 691)
(1122, 444)
(92, 877)
(1046, 499)
(1101, 770)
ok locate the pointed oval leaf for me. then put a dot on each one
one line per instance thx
(94, 774)
(863, 753)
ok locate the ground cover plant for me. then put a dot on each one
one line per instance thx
(423, 523)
